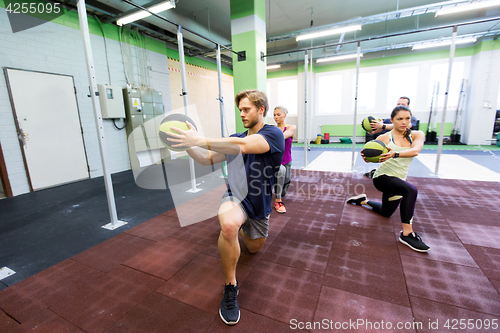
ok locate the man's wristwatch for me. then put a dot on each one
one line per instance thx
(383, 127)
(396, 155)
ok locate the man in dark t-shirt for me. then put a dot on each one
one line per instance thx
(254, 157)
(260, 171)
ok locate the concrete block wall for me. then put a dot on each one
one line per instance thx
(58, 49)
(159, 77)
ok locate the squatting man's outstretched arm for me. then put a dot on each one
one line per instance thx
(207, 151)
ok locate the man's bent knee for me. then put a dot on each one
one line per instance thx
(231, 218)
(229, 230)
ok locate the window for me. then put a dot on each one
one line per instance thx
(367, 84)
(439, 73)
(402, 82)
(287, 95)
(329, 94)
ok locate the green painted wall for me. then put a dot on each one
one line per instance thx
(448, 127)
(487, 46)
(242, 8)
(346, 130)
(284, 73)
(249, 73)
(341, 130)
(414, 57)
(252, 71)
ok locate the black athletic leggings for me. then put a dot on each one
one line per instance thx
(390, 187)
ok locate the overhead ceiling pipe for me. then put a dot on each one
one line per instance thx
(385, 36)
(397, 14)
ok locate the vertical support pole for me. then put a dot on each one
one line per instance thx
(443, 118)
(310, 93)
(186, 103)
(435, 111)
(221, 104)
(306, 139)
(84, 27)
(456, 130)
(355, 108)
(221, 100)
(429, 123)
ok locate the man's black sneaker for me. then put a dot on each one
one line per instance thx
(369, 174)
(414, 242)
(357, 200)
(229, 309)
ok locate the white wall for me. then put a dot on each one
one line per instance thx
(384, 99)
(483, 98)
(291, 119)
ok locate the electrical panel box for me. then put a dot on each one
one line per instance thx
(145, 111)
(111, 100)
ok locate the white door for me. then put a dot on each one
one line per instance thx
(47, 118)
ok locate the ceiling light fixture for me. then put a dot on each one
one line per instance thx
(446, 42)
(273, 66)
(329, 32)
(472, 6)
(342, 57)
(142, 13)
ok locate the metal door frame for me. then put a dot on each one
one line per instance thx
(18, 128)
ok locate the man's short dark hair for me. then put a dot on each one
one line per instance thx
(404, 97)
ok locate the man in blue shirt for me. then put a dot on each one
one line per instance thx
(386, 125)
(254, 157)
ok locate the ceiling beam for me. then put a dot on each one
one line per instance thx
(397, 14)
(492, 19)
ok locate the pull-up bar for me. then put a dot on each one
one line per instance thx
(176, 24)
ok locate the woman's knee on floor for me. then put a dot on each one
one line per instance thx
(386, 214)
